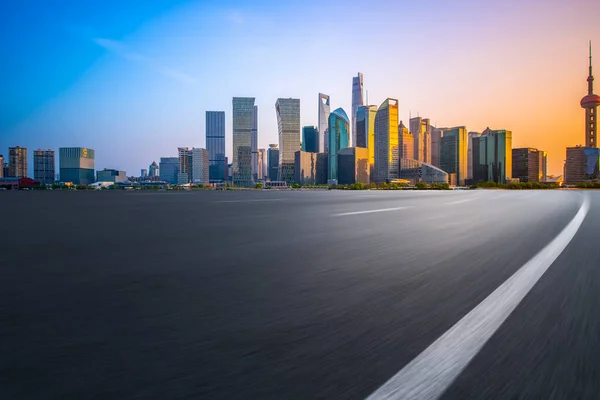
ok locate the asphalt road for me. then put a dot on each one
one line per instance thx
(294, 294)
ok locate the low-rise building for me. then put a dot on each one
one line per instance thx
(353, 166)
(111, 175)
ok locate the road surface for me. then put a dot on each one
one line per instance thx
(300, 295)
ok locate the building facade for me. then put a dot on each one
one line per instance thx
(262, 164)
(111, 175)
(421, 131)
(528, 164)
(215, 144)
(406, 142)
(243, 124)
(324, 111)
(44, 166)
(581, 165)
(254, 144)
(77, 165)
(492, 156)
(590, 103)
(2, 166)
(353, 166)
(153, 170)
(417, 172)
(339, 138)
(168, 169)
(357, 101)
(185, 156)
(387, 152)
(200, 166)
(310, 139)
(454, 153)
(470, 137)
(17, 162)
(436, 140)
(322, 168)
(273, 162)
(306, 168)
(288, 126)
(365, 131)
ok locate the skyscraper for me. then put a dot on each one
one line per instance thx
(406, 142)
(200, 166)
(243, 124)
(436, 139)
(339, 137)
(215, 144)
(324, 110)
(365, 132)
(454, 154)
(153, 170)
(387, 153)
(44, 169)
(273, 162)
(185, 174)
(77, 165)
(353, 166)
(17, 162)
(581, 164)
(421, 131)
(1, 166)
(169, 169)
(357, 101)
(306, 168)
(262, 164)
(310, 139)
(492, 156)
(470, 153)
(254, 144)
(528, 164)
(288, 125)
(591, 102)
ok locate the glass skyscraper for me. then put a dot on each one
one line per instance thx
(324, 111)
(492, 156)
(77, 165)
(387, 152)
(454, 153)
(272, 162)
(254, 145)
(421, 131)
(243, 123)
(357, 101)
(339, 138)
(215, 144)
(288, 126)
(44, 166)
(169, 169)
(310, 139)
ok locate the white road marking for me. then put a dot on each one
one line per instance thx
(370, 211)
(463, 201)
(245, 201)
(434, 370)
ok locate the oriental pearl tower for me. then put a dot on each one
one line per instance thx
(591, 103)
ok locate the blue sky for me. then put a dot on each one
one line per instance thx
(133, 79)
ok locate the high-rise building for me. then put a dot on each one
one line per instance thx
(305, 168)
(44, 166)
(492, 156)
(143, 173)
(77, 165)
(470, 153)
(528, 164)
(273, 162)
(357, 101)
(353, 166)
(544, 161)
(454, 154)
(365, 131)
(111, 175)
(581, 164)
(215, 144)
(243, 123)
(324, 110)
(339, 138)
(185, 174)
(5, 170)
(169, 169)
(406, 142)
(262, 164)
(387, 152)
(2, 166)
(322, 168)
(254, 144)
(591, 102)
(288, 125)
(17, 162)
(310, 139)
(421, 131)
(200, 166)
(153, 170)
(436, 140)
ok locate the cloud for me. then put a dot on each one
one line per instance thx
(121, 49)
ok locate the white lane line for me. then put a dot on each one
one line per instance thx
(463, 201)
(245, 201)
(433, 371)
(370, 211)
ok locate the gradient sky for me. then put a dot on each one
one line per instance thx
(133, 79)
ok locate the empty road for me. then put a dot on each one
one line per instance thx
(300, 295)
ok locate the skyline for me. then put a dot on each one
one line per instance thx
(114, 86)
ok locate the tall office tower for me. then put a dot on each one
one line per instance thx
(186, 173)
(262, 164)
(5, 170)
(528, 164)
(387, 153)
(243, 123)
(322, 168)
(365, 132)
(215, 144)
(436, 139)
(273, 162)
(77, 165)
(470, 153)
(353, 166)
(421, 130)
(310, 139)
(406, 142)
(339, 138)
(581, 164)
(305, 170)
(324, 110)
(169, 169)
(143, 173)
(153, 170)
(254, 144)
(357, 101)
(288, 125)
(200, 166)
(591, 102)
(544, 168)
(17, 162)
(44, 167)
(1, 166)
(492, 156)
(454, 154)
